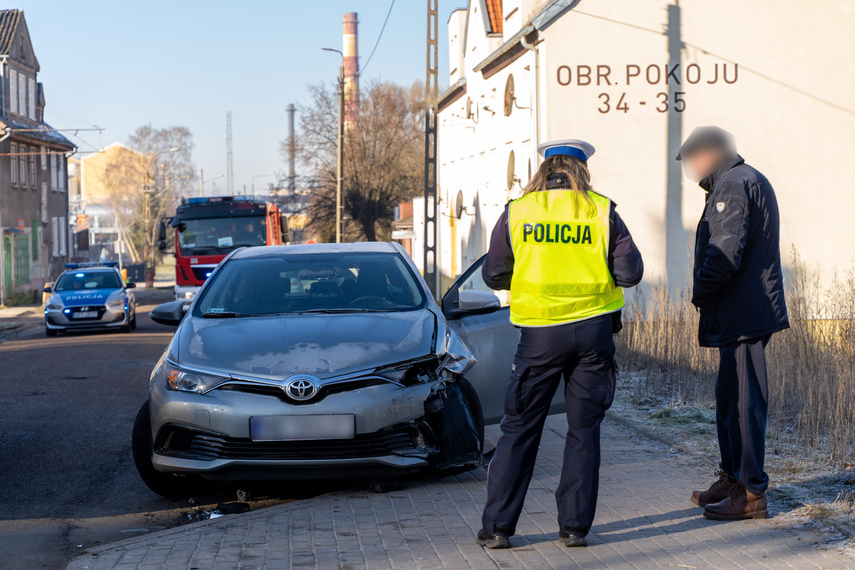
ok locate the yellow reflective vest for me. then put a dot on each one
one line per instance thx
(561, 271)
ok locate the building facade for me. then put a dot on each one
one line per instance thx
(33, 174)
(634, 78)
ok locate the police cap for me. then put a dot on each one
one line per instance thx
(571, 147)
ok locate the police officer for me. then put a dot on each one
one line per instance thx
(739, 289)
(564, 253)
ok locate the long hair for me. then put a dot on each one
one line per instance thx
(565, 172)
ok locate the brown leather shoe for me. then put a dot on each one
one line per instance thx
(717, 492)
(741, 504)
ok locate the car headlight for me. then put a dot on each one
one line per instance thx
(54, 305)
(418, 371)
(185, 380)
(116, 303)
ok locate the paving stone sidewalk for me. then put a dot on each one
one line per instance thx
(645, 520)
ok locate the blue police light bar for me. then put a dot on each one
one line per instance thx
(218, 199)
(91, 264)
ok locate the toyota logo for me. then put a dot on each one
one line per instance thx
(302, 388)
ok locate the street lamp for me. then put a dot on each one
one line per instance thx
(340, 160)
(253, 181)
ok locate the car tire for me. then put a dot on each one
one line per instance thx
(50, 332)
(126, 328)
(134, 320)
(165, 484)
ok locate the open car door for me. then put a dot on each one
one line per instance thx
(481, 318)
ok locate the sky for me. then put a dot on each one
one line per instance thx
(119, 65)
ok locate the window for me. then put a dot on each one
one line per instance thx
(43, 157)
(61, 174)
(63, 236)
(22, 161)
(44, 202)
(34, 236)
(53, 172)
(99, 279)
(32, 160)
(13, 155)
(33, 99)
(13, 91)
(54, 237)
(22, 94)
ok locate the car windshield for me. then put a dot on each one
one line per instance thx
(335, 282)
(87, 280)
(221, 234)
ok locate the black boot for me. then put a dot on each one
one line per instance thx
(492, 540)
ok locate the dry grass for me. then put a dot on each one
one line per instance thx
(811, 366)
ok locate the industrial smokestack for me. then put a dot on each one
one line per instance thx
(351, 66)
(292, 151)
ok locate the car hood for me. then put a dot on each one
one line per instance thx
(322, 345)
(85, 297)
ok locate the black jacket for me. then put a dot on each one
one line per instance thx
(738, 281)
(624, 260)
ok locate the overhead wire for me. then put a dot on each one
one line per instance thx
(380, 35)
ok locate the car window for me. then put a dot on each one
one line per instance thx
(81, 280)
(312, 282)
(221, 234)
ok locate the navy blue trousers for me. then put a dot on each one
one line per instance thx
(583, 353)
(741, 396)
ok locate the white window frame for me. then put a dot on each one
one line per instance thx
(13, 161)
(52, 172)
(22, 162)
(32, 160)
(43, 157)
(32, 99)
(44, 203)
(22, 95)
(54, 224)
(13, 91)
(63, 236)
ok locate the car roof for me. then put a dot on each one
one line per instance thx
(314, 248)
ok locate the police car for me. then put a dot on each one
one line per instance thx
(88, 296)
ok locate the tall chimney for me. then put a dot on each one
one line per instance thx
(292, 151)
(351, 66)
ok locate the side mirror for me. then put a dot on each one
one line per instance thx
(130, 285)
(47, 289)
(168, 314)
(475, 301)
(161, 232)
(161, 245)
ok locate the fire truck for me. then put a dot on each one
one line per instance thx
(207, 229)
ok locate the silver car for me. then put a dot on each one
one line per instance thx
(322, 361)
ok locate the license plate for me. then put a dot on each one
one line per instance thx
(85, 315)
(297, 428)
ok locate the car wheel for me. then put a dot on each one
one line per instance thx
(134, 320)
(50, 332)
(126, 328)
(165, 484)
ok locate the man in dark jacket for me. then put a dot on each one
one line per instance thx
(738, 287)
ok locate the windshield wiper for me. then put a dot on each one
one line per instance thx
(223, 315)
(338, 311)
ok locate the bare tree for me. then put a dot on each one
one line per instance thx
(144, 184)
(383, 157)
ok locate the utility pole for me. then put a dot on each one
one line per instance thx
(430, 269)
(340, 154)
(202, 182)
(292, 151)
(230, 173)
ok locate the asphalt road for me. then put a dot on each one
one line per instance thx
(67, 479)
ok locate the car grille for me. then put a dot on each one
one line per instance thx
(266, 390)
(186, 443)
(100, 309)
(201, 273)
